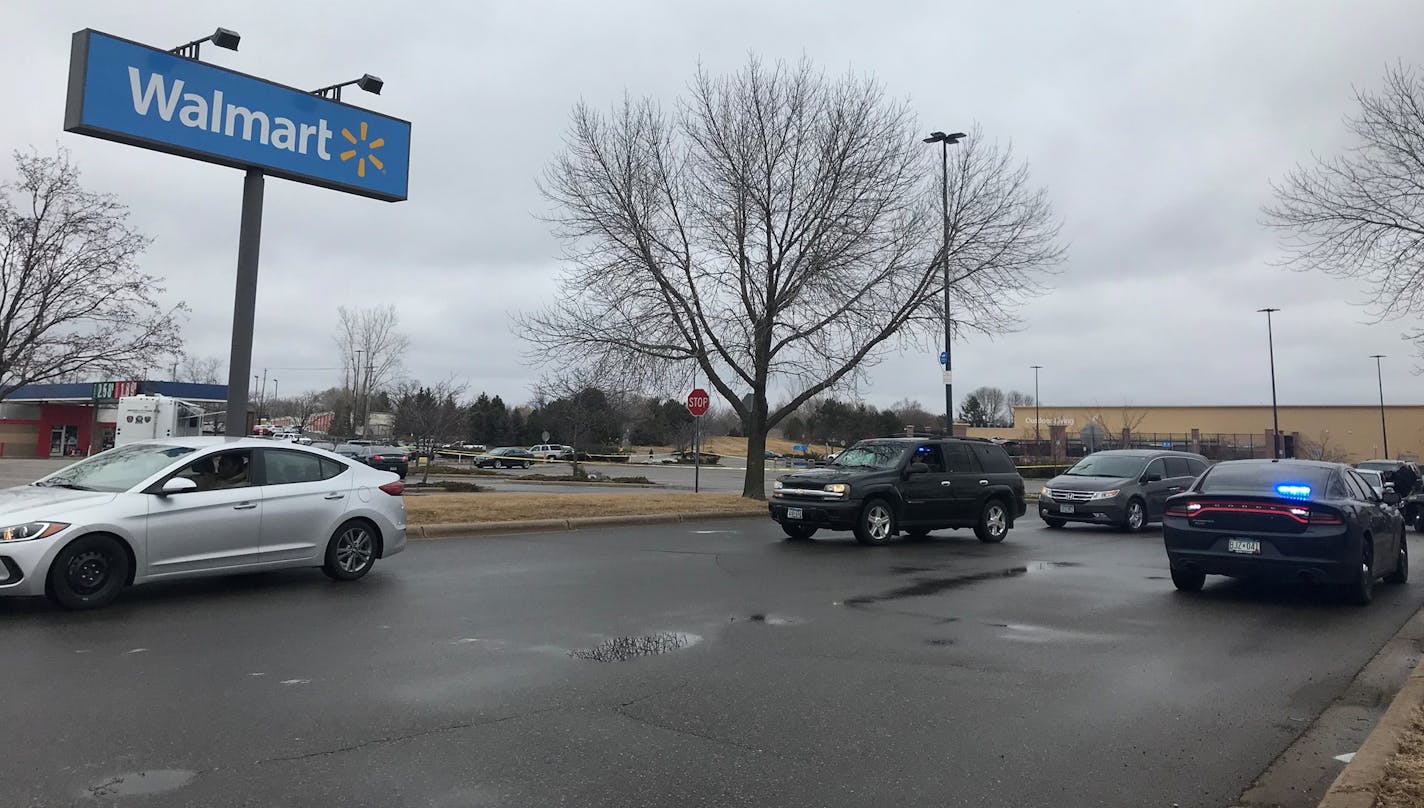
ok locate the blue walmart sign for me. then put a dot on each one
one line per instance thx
(131, 93)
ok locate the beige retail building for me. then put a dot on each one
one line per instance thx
(1346, 432)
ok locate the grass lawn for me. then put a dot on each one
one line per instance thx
(431, 509)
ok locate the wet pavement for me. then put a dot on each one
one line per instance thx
(688, 665)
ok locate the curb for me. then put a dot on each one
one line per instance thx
(450, 530)
(1357, 784)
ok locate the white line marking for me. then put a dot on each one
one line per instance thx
(1345, 758)
(296, 681)
(138, 651)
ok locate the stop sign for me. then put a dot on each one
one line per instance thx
(698, 402)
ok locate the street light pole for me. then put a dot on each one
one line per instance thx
(1275, 409)
(1037, 409)
(944, 140)
(1379, 373)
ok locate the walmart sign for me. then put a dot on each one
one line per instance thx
(131, 93)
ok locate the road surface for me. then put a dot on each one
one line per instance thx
(1056, 669)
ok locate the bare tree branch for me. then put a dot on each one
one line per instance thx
(1360, 215)
(778, 228)
(72, 298)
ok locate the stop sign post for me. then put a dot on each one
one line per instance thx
(697, 403)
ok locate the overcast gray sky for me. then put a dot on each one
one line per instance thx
(1156, 128)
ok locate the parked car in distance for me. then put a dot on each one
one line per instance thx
(552, 451)
(1375, 480)
(1125, 488)
(1286, 519)
(1403, 474)
(880, 487)
(350, 450)
(386, 458)
(180, 507)
(511, 457)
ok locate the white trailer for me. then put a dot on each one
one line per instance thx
(148, 417)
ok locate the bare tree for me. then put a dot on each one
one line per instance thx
(995, 404)
(1321, 447)
(779, 228)
(72, 298)
(1360, 215)
(201, 370)
(372, 354)
(578, 401)
(430, 415)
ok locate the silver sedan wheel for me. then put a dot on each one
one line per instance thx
(354, 549)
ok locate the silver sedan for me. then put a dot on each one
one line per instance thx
(182, 507)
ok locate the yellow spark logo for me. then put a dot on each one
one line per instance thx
(370, 150)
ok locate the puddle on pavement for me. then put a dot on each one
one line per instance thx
(933, 586)
(622, 649)
(774, 620)
(1020, 632)
(135, 784)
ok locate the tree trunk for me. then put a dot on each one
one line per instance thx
(754, 485)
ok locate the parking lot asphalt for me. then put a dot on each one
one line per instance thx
(1056, 669)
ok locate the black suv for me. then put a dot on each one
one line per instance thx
(882, 486)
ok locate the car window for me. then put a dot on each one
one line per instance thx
(1156, 467)
(283, 467)
(959, 459)
(116, 469)
(872, 455)
(1197, 467)
(1362, 488)
(1265, 479)
(1178, 467)
(1339, 489)
(994, 459)
(1107, 465)
(931, 455)
(220, 470)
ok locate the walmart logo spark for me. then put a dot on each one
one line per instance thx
(370, 149)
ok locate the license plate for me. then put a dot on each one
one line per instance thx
(1247, 546)
(793, 513)
(1065, 508)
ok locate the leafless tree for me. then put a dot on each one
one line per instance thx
(581, 400)
(201, 370)
(996, 406)
(778, 229)
(372, 354)
(430, 415)
(72, 297)
(914, 414)
(1360, 215)
(1321, 447)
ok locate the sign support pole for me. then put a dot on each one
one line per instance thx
(696, 444)
(244, 304)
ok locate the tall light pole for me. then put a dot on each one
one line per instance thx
(1275, 410)
(1379, 373)
(1037, 409)
(944, 140)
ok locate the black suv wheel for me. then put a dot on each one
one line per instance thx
(993, 522)
(876, 523)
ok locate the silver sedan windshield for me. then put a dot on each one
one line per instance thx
(117, 469)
